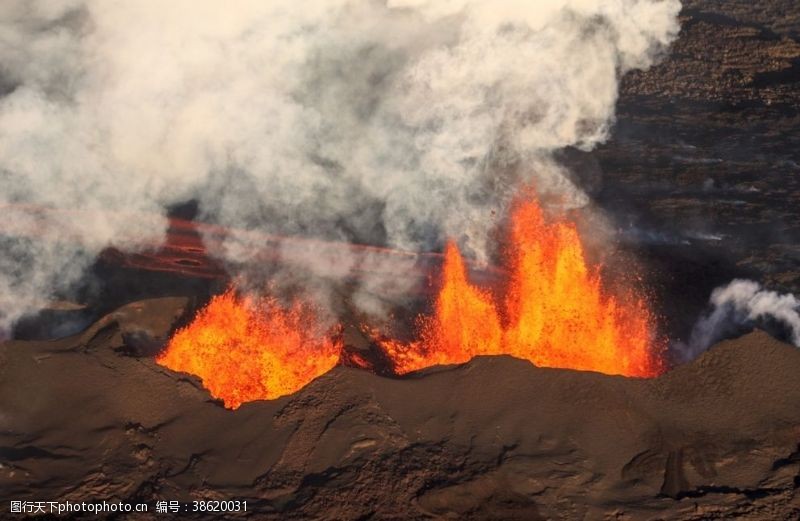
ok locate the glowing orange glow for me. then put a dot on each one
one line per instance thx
(465, 324)
(555, 314)
(247, 349)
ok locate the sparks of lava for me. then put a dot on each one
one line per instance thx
(249, 348)
(554, 313)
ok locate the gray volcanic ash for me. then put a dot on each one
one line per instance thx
(399, 123)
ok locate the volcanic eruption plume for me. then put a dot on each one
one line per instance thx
(398, 123)
(401, 124)
(741, 305)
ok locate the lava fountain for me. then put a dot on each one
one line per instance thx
(249, 348)
(554, 311)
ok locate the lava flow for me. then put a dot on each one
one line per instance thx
(555, 312)
(247, 349)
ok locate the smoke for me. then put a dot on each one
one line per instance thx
(742, 303)
(398, 123)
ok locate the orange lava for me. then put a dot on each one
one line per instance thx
(247, 349)
(555, 312)
(465, 324)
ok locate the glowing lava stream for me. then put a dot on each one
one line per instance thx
(247, 349)
(554, 314)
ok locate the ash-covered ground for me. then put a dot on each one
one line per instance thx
(702, 175)
(496, 438)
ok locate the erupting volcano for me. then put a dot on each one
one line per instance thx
(555, 311)
(247, 349)
(400, 259)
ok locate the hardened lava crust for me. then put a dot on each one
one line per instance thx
(91, 416)
(705, 151)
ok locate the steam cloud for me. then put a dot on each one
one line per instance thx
(398, 123)
(742, 303)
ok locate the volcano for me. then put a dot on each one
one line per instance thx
(545, 380)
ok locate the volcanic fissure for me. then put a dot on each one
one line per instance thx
(552, 310)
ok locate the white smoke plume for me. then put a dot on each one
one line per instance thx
(396, 122)
(742, 303)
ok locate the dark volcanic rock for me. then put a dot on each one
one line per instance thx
(139, 328)
(705, 153)
(494, 439)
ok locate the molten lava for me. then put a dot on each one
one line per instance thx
(465, 324)
(248, 349)
(555, 312)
